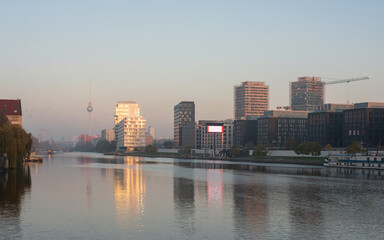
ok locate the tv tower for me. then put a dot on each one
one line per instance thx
(89, 109)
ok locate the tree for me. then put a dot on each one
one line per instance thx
(150, 149)
(328, 147)
(186, 150)
(307, 148)
(354, 148)
(169, 144)
(15, 142)
(234, 151)
(260, 150)
(104, 146)
(250, 145)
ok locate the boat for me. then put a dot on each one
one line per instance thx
(34, 159)
(368, 161)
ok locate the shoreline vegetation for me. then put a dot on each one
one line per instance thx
(15, 144)
(315, 161)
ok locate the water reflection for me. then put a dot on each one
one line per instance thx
(129, 191)
(14, 185)
(184, 200)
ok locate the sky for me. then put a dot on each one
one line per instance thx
(162, 52)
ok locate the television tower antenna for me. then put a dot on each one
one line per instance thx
(89, 109)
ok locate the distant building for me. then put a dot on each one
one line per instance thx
(245, 132)
(85, 138)
(75, 141)
(364, 124)
(130, 131)
(325, 124)
(275, 128)
(306, 93)
(250, 99)
(151, 131)
(148, 139)
(12, 110)
(206, 140)
(184, 114)
(188, 134)
(108, 134)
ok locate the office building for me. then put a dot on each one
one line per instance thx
(250, 99)
(364, 124)
(206, 140)
(12, 110)
(130, 131)
(184, 114)
(245, 132)
(325, 124)
(306, 93)
(275, 128)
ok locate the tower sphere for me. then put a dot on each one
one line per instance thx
(89, 108)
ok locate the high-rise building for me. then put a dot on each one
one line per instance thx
(250, 99)
(184, 114)
(12, 110)
(130, 127)
(108, 134)
(306, 93)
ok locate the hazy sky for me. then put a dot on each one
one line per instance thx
(162, 52)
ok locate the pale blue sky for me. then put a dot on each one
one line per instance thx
(162, 52)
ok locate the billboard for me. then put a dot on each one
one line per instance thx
(214, 129)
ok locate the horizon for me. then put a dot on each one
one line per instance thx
(160, 54)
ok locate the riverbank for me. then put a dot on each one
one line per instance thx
(315, 161)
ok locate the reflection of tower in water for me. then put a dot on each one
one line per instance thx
(129, 190)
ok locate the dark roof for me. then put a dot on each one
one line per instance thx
(10, 107)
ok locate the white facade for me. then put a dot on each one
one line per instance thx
(130, 130)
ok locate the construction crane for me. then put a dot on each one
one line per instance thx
(316, 81)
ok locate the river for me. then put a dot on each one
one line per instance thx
(92, 196)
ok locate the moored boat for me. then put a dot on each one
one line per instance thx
(355, 161)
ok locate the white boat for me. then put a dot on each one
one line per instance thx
(355, 161)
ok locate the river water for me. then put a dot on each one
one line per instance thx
(91, 196)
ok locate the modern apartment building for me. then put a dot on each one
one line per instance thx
(12, 110)
(184, 114)
(306, 93)
(130, 130)
(250, 99)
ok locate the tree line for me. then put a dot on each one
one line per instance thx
(15, 142)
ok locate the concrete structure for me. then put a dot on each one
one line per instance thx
(108, 134)
(130, 131)
(333, 107)
(277, 127)
(12, 110)
(205, 140)
(151, 131)
(184, 114)
(364, 124)
(250, 99)
(306, 93)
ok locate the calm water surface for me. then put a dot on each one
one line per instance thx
(90, 196)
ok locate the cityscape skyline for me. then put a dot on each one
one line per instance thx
(163, 54)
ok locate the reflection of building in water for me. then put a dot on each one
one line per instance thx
(306, 210)
(129, 189)
(251, 209)
(184, 199)
(215, 189)
(13, 186)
